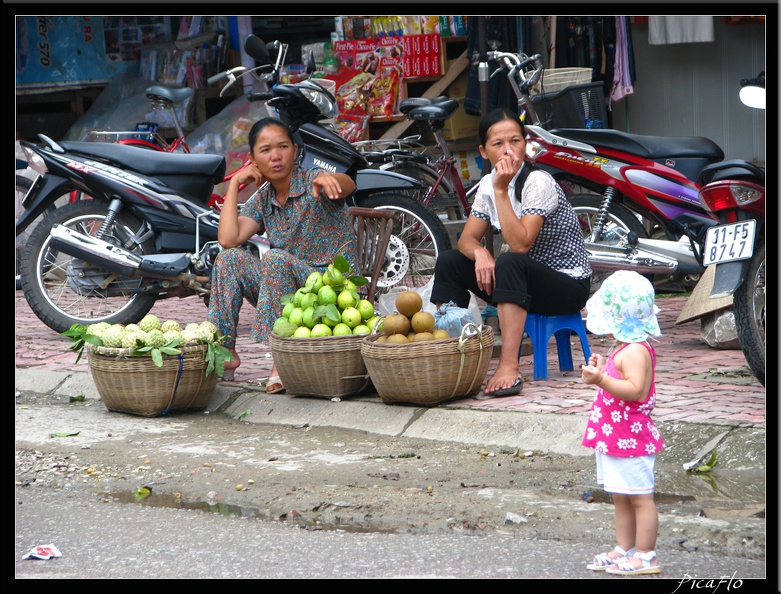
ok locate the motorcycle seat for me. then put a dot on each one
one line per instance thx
(649, 147)
(151, 162)
(442, 109)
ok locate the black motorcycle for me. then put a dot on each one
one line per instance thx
(146, 231)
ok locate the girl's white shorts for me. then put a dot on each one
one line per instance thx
(628, 476)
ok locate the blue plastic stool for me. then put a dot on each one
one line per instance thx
(540, 328)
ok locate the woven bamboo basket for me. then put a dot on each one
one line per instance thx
(437, 370)
(326, 366)
(137, 386)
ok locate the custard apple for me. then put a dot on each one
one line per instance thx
(130, 339)
(172, 335)
(169, 325)
(189, 336)
(150, 322)
(192, 327)
(155, 338)
(112, 337)
(207, 330)
(132, 328)
(97, 328)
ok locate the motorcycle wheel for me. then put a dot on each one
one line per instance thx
(22, 186)
(749, 309)
(621, 221)
(62, 290)
(419, 236)
(444, 201)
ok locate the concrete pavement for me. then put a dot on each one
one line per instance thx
(707, 398)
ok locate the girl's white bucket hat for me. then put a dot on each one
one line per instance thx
(624, 307)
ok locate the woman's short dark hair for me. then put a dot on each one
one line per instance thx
(264, 123)
(495, 116)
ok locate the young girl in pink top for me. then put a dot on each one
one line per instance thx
(620, 428)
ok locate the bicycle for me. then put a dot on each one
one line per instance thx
(445, 192)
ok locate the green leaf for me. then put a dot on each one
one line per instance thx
(157, 357)
(332, 313)
(359, 281)
(341, 263)
(141, 493)
(287, 299)
(284, 329)
(243, 414)
(170, 350)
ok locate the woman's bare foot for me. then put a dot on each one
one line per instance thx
(230, 367)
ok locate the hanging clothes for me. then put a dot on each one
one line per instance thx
(622, 75)
(680, 29)
(501, 34)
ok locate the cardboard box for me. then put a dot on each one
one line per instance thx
(461, 125)
(458, 87)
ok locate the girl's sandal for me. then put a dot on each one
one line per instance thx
(624, 567)
(603, 560)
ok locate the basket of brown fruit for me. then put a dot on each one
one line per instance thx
(439, 367)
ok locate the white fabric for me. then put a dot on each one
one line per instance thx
(680, 29)
(628, 476)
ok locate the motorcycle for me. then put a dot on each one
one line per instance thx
(734, 193)
(637, 196)
(147, 232)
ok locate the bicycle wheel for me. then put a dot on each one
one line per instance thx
(419, 236)
(445, 201)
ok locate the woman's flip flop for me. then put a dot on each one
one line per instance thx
(274, 385)
(511, 391)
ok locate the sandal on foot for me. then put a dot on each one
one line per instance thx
(274, 385)
(511, 391)
(603, 560)
(624, 567)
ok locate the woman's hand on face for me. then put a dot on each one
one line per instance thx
(248, 174)
(506, 167)
(325, 182)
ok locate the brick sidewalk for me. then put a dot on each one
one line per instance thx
(695, 382)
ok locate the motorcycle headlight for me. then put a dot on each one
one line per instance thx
(320, 97)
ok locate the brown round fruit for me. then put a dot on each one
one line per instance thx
(397, 339)
(395, 324)
(440, 334)
(382, 338)
(411, 335)
(408, 303)
(423, 337)
(422, 321)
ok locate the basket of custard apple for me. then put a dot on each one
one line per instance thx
(152, 367)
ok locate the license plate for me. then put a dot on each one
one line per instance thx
(725, 243)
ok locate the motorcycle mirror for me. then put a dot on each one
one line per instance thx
(310, 63)
(752, 91)
(256, 49)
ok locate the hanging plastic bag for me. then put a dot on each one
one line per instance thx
(386, 304)
(452, 318)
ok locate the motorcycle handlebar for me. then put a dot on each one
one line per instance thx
(260, 96)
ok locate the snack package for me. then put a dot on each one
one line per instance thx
(352, 95)
(384, 92)
(352, 126)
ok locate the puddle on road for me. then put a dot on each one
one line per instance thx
(176, 501)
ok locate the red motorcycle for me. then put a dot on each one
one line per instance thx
(734, 193)
(637, 196)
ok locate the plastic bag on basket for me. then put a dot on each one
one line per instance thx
(452, 318)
